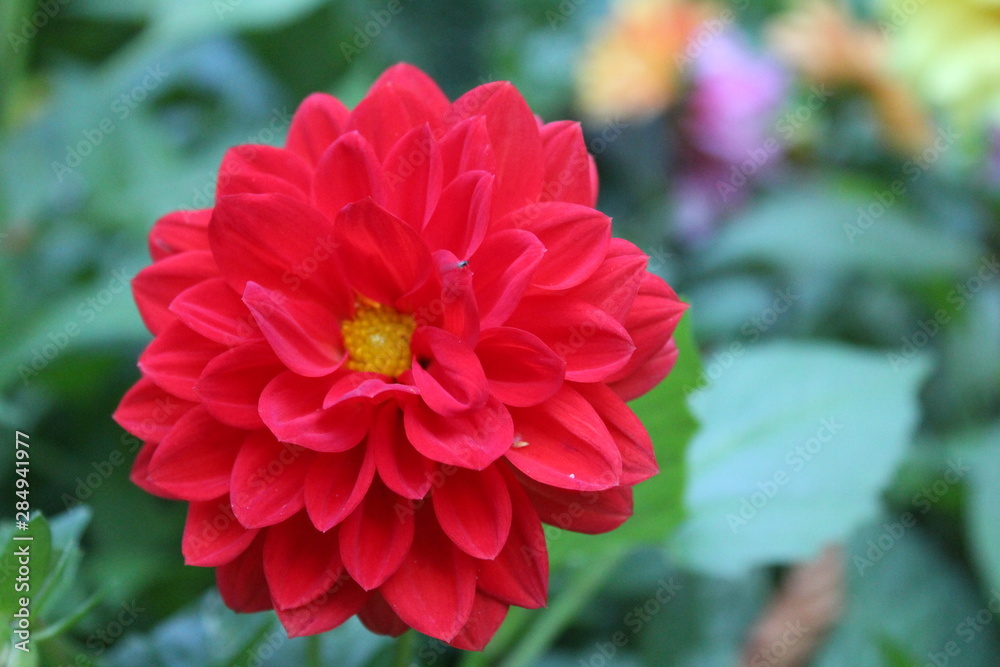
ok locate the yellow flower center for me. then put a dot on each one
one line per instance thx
(378, 339)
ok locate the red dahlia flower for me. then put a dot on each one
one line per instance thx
(391, 351)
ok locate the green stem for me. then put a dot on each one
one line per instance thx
(404, 650)
(579, 589)
(314, 651)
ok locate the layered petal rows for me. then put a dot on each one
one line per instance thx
(391, 351)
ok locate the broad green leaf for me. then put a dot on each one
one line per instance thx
(797, 442)
(982, 510)
(39, 549)
(658, 501)
(184, 19)
(67, 531)
(207, 633)
(903, 591)
(822, 230)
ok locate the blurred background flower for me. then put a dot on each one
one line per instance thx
(634, 65)
(948, 49)
(727, 130)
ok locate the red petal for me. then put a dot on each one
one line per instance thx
(383, 256)
(186, 465)
(638, 458)
(300, 562)
(593, 344)
(176, 358)
(324, 613)
(212, 535)
(292, 407)
(651, 322)
(258, 169)
(514, 137)
(373, 387)
(231, 385)
(407, 77)
(471, 440)
(448, 375)
(179, 231)
(278, 242)
(590, 512)
(520, 573)
(241, 581)
(567, 444)
(349, 171)
(502, 269)
(567, 165)
(455, 309)
(304, 334)
(389, 111)
(376, 537)
(399, 465)
(148, 412)
(434, 589)
(157, 285)
(214, 310)
(474, 510)
(413, 174)
(615, 284)
(466, 147)
(575, 237)
(336, 484)
(647, 376)
(486, 618)
(317, 123)
(379, 617)
(139, 474)
(521, 369)
(462, 215)
(268, 478)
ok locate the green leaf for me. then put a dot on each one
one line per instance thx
(39, 555)
(823, 229)
(658, 501)
(68, 621)
(904, 591)
(797, 443)
(207, 633)
(893, 654)
(982, 507)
